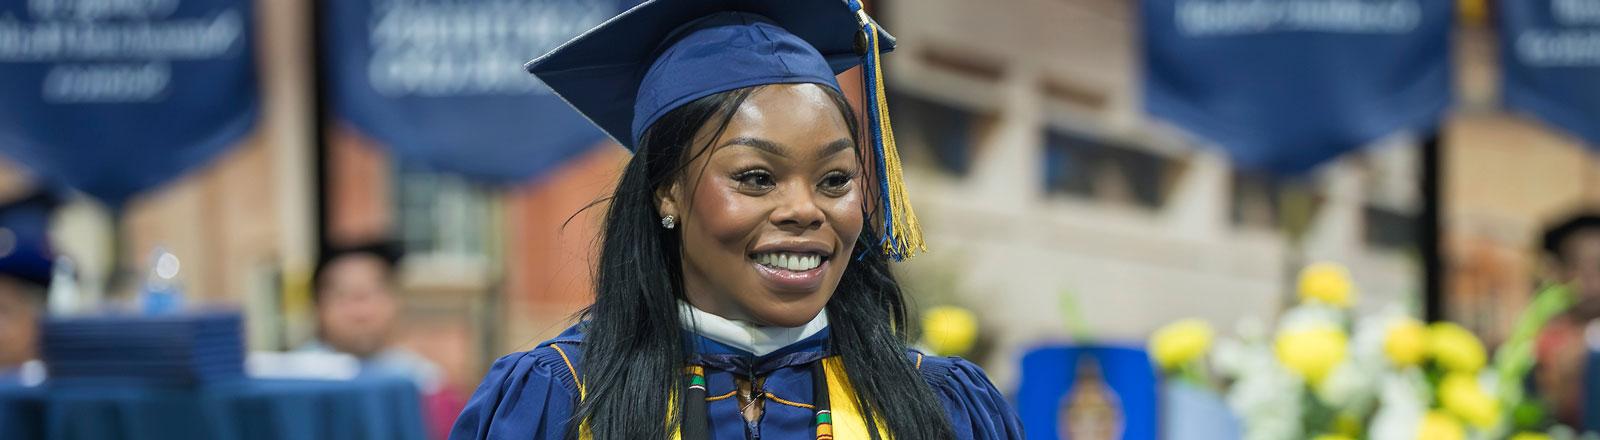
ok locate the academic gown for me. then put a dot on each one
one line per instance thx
(533, 394)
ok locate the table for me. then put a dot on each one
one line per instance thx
(253, 409)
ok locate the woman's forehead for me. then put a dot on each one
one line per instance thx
(792, 119)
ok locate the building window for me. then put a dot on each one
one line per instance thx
(1264, 202)
(935, 134)
(442, 215)
(1108, 171)
(1391, 194)
(1389, 228)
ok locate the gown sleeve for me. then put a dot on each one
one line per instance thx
(977, 410)
(524, 396)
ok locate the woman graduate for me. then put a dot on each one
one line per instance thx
(743, 286)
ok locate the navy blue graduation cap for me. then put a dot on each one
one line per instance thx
(662, 54)
(24, 245)
(1556, 236)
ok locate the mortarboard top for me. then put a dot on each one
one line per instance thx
(1556, 236)
(662, 54)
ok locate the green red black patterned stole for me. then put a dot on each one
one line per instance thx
(695, 423)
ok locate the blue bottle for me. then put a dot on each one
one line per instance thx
(162, 293)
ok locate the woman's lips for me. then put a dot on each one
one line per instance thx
(792, 281)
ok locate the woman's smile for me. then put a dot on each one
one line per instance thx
(792, 267)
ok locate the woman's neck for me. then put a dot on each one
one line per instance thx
(756, 340)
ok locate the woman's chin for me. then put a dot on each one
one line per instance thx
(786, 315)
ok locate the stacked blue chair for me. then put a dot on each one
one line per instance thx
(164, 350)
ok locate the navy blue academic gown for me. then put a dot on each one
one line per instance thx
(532, 394)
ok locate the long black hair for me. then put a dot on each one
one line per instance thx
(635, 349)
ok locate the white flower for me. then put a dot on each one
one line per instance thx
(1366, 346)
(1230, 358)
(1403, 399)
(1351, 387)
(1265, 396)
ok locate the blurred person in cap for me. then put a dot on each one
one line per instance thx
(1572, 251)
(25, 274)
(357, 301)
(743, 283)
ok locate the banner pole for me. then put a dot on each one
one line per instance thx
(320, 132)
(1430, 228)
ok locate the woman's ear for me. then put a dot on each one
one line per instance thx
(667, 200)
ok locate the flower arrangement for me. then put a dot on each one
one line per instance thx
(1326, 373)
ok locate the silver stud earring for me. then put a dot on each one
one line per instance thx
(669, 222)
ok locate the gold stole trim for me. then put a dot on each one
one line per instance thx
(847, 420)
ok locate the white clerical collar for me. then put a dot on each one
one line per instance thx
(758, 341)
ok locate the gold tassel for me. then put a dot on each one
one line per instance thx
(905, 233)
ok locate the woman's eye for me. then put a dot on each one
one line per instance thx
(836, 182)
(755, 180)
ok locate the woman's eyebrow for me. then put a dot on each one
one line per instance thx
(773, 148)
(781, 150)
(835, 147)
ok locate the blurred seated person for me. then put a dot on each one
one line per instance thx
(356, 296)
(1572, 250)
(25, 272)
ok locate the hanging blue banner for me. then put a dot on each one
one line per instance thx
(441, 84)
(1285, 85)
(116, 97)
(1550, 55)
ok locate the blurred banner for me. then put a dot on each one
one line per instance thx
(1550, 50)
(1285, 85)
(113, 98)
(440, 82)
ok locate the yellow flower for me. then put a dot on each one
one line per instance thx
(1311, 352)
(1406, 342)
(1455, 348)
(949, 330)
(1461, 395)
(1180, 343)
(1440, 426)
(1327, 283)
(1530, 436)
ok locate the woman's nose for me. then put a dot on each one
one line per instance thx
(798, 209)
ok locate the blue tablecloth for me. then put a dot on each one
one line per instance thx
(376, 409)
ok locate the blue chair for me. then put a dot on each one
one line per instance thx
(1048, 376)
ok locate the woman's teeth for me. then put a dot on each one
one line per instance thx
(793, 262)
